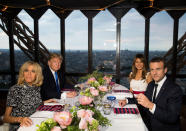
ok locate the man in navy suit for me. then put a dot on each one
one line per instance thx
(53, 80)
(162, 100)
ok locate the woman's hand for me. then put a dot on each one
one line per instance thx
(50, 101)
(148, 78)
(25, 121)
(131, 90)
(122, 103)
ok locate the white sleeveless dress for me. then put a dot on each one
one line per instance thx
(139, 85)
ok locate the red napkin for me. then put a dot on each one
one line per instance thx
(67, 89)
(111, 83)
(126, 91)
(126, 110)
(50, 108)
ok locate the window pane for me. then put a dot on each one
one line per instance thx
(181, 82)
(104, 42)
(4, 51)
(49, 31)
(132, 42)
(181, 55)
(5, 81)
(76, 43)
(20, 56)
(161, 32)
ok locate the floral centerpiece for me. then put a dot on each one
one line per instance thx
(95, 85)
(83, 116)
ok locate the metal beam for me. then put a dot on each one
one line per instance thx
(62, 38)
(11, 49)
(10, 14)
(90, 15)
(118, 13)
(36, 40)
(36, 15)
(62, 15)
(175, 14)
(147, 13)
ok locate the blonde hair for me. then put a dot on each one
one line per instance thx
(38, 70)
(55, 55)
(134, 69)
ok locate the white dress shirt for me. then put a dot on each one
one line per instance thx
(160, 83)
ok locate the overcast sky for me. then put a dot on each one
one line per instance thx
(104, 31)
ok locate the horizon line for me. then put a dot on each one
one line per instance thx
(92, 50)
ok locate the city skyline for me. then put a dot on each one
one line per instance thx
(104, 31)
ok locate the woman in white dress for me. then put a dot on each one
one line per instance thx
(139, 77)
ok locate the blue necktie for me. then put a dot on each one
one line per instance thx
(57, 83)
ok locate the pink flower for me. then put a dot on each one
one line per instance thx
(94, 92)
(89, 113)
(83, 124)
(86, 116)
(56, 128)
(81, 113)
(90, 119)
(91, 79)
(63, 118)
(103, 88)
(108, 79)
(85, 100)
(85, 113)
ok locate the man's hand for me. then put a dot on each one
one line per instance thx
(122, 103)
(144, 101)
(50, 101)
(71, 94)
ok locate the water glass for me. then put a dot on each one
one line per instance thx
(107, 109)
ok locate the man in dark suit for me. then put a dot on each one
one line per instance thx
(161, 101)
(53, 80)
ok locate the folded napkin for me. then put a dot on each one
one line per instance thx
(126, 91)
(126, 110)
(50, 107)
(112, 83)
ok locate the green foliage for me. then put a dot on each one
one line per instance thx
(94, 125)
(103, 121)
(47, 125)
(95, 74)
(86, 92)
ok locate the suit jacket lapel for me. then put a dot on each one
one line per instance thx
(151, 92)
(52, 77)
(161, 91)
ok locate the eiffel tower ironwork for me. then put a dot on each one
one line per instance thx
(181, 54)
(24, 39)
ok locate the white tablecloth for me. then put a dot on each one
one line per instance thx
(120, 122)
